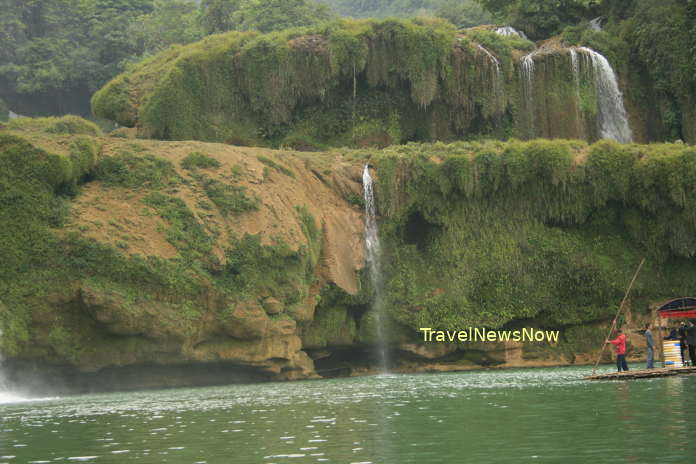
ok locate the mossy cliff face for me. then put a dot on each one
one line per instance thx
(245, 264)
(120, 254)
(371, 83)
(544, 234)
(351, 83)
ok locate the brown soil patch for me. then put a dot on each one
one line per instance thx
(117, 216)
(320, 182)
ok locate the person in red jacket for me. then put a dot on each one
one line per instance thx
(620, 343)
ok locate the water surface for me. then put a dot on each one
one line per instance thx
(501, 416)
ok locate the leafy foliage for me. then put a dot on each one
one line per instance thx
(461, 13)
(542, 18)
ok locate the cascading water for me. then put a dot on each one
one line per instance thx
(498, 79)
(372, 254)
(527, 67)
(508, 31)
(5, 395)
(575, 64)
(596, 24)
(613, 121)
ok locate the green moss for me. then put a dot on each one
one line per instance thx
(277, 166)
(64, 125)
(195, 160)
(315, 87)
(136, 171)
(229, 198)
(40, 263)
(492, 233)
(185, 233)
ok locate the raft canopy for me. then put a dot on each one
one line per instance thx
(678, 308)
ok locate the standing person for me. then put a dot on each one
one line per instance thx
(620, 343)
(651, 347)
(691, 340)
(682, 341)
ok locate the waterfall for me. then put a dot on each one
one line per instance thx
(494, 60)
(5, 396)
(575, 65)
(373, 258)
(497, 84)
(612, 118)
(596, 24)
(527, 66)
(508, 31)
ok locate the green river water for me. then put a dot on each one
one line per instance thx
(496, 416)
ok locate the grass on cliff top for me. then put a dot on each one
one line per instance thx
(63, 125)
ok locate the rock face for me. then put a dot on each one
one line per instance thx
(166, 262)
(188, 263)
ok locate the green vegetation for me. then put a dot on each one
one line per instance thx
(229, 198)
(494, 233)
(409, 78)
(462, 13)
(195, 160)
(278, 167)
(55, 54)
(275, 269)
(541, 18)
(185, 232)
(261, 15)
(4, 111)
(40, 264)
(64, 125)
(136, 171)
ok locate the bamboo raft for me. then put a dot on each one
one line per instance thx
(644, 373)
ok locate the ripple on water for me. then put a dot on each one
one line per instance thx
(352, 420)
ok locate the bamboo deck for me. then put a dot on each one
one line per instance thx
(644, 373)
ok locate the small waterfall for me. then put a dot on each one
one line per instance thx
(613, 121)
(575, 64)
(494, 60)
(497, 84)
(5, 396)
(527, 66)
(596, 24)
(508, 31)
(373, 257)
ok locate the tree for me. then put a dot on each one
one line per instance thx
(218, 15)
(55, 53)
(261, 15)
(275, 15)
(171, 22)
(542, 18)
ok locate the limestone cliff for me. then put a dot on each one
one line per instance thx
(373, 84)
(129, 263)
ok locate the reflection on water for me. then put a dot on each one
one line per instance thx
(511, 416)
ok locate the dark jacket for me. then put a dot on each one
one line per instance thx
(691, 335)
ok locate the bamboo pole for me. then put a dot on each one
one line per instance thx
(616, 318)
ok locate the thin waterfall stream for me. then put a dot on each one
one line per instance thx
(5, 395)
(373, 258)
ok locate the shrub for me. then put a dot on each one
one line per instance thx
(197, 159)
